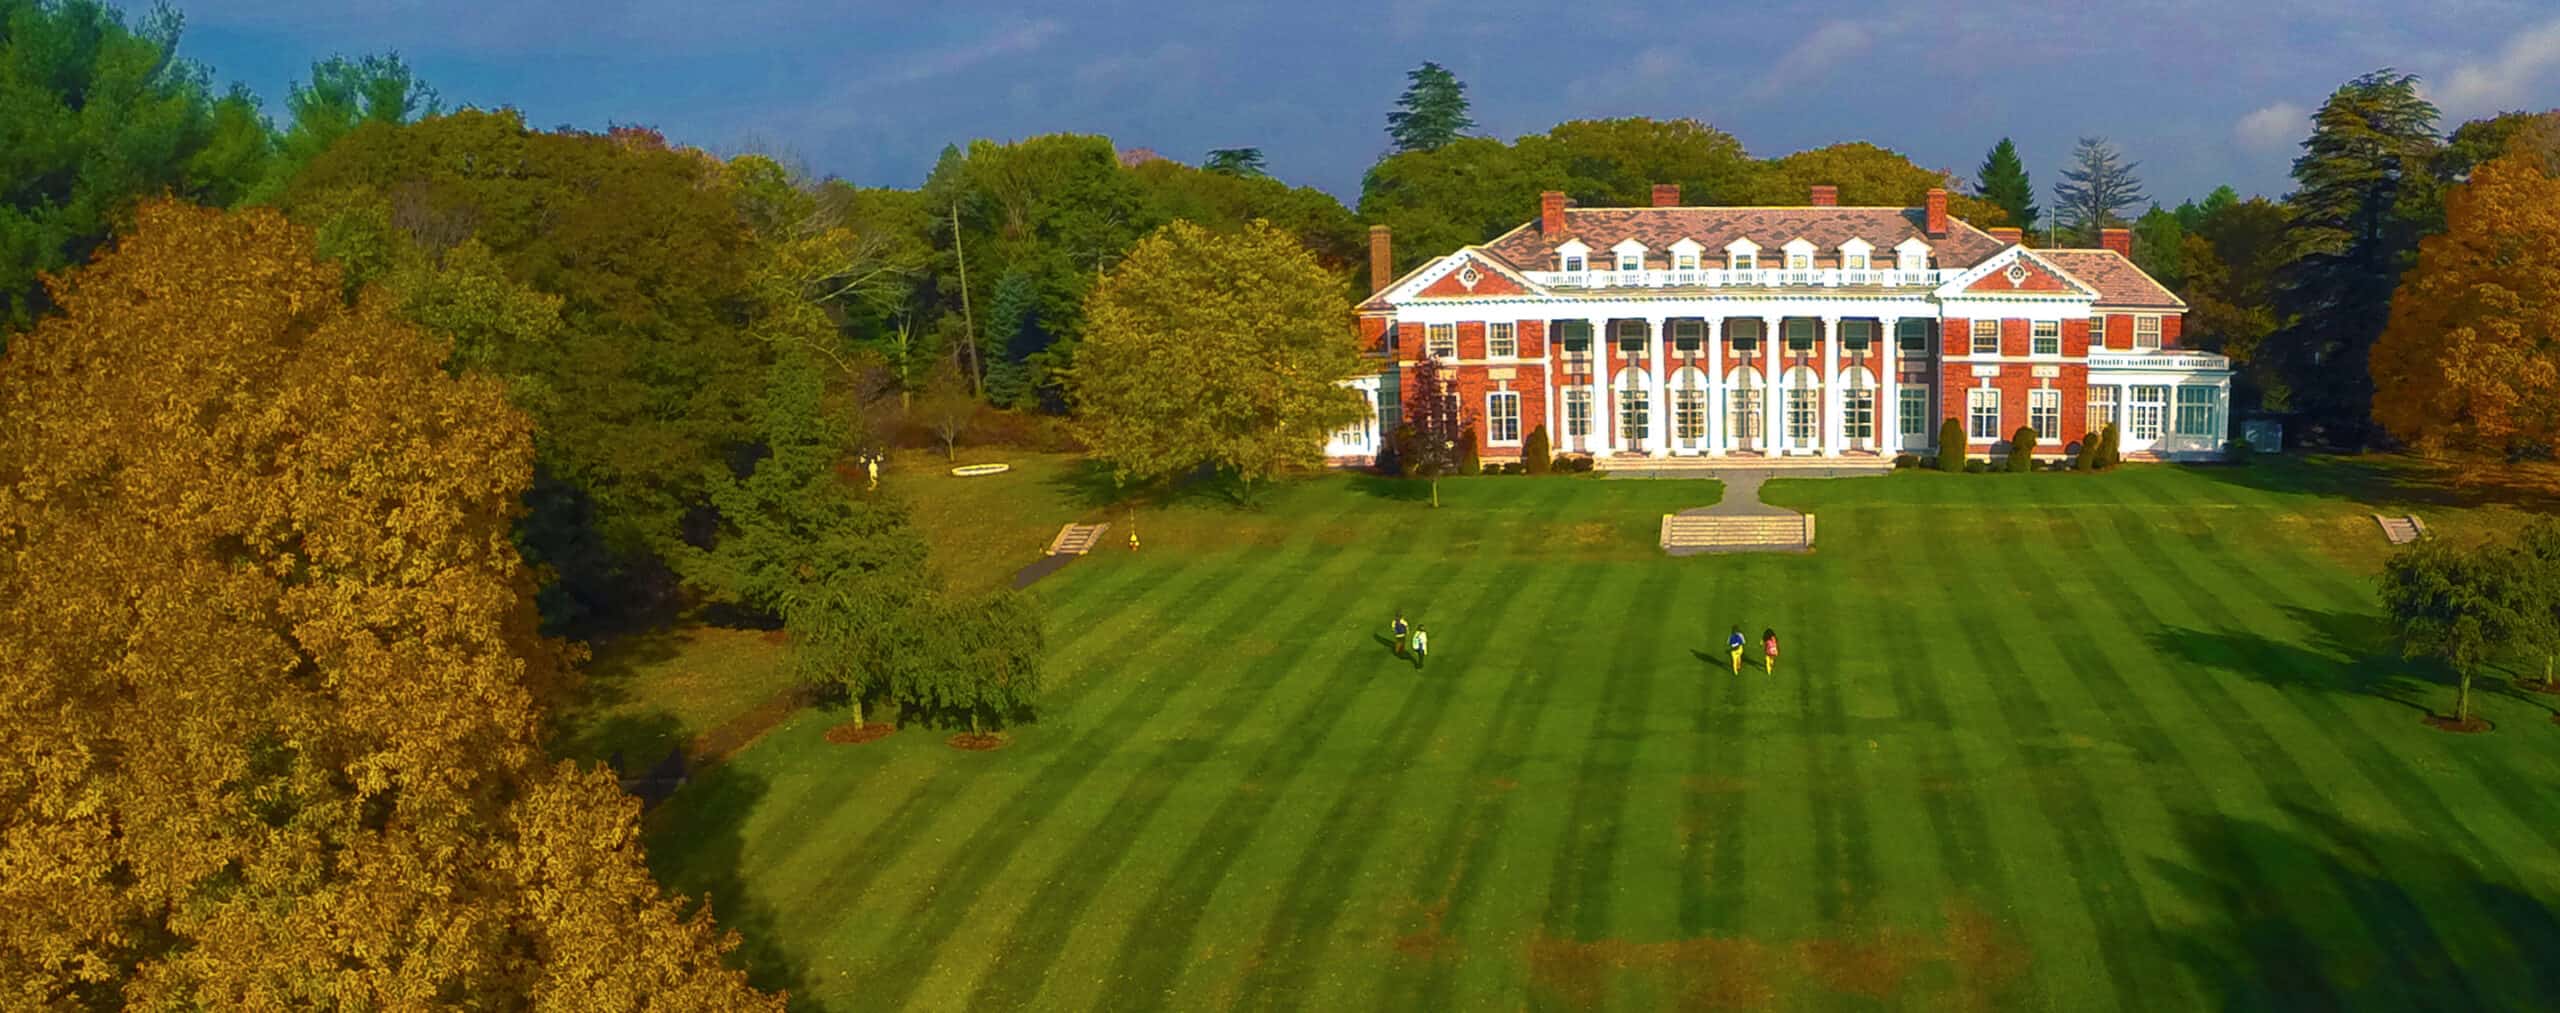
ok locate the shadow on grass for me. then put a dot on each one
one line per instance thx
(696, 848)
(2419, 912)
(2347, 653)
(1401, 490)
(2388, 481)
(607, 685)
(1089, 485)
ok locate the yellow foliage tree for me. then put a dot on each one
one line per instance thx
(270, 677)
(2470, 361)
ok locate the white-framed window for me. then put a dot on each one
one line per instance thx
(1986, 337)
(1745, 335)
(1853, 261)
(1912, 260)
(1353, 435)
(1635, 408)
(1740, 261)
(1799, 261)
(1857, 336)
(1501, 340)
(2102, 408)
(2044, 412)
(1982, 414)
(1914, 335)
(1799, 334)
(1441, 341)
(2146, 331)
(1502, 416)
(1684, 262)
(1570, 261)
(1801, 416)
(1688, 335)
(1630, 260)
(1689, 414)
(2197, 406)
(2098, 331)
(2150, 411)
(1631, 338)
(2048, 338)
(1577, 411)
(1915, 414)
(1742, 418)
(1859, 413)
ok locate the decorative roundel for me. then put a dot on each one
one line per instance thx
(2017, 273)
(1469, 276)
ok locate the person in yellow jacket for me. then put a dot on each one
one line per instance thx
(1733, 646)
(1769, 650)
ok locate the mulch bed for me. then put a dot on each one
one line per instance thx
(2472, 727)
(2538, 686)
(977, 743)
(732, 735)
(847, 735)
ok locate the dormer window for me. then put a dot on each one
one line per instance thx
(1856, 255)
(1911, 255)
(1630, 261)
(1799, 261)
(1573, 257)
(1741, 261)
(1570, 261)
(1684, 262)
(1853, 261)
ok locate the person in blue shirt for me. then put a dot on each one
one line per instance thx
(1401, 629)
(1733, 646)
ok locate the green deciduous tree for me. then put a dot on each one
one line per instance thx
(2095, 189)
(2540, 543)
(341, 95)
(95, 114)
(2364, 195)
(2461, 607)
(1221, 351)
(1432, 111)
(2159, 246)
(2003, 181)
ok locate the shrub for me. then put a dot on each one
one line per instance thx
(1391, 452)
(1470, 460)
(1976, 467)
(1578, 464)
(2022, 449)
(2084, 454)
(1537, 456)
(1901, 461)
(2240, 450)
(1951, 445)
(2108, 442)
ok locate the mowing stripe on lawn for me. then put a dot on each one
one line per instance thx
(1318, 886)
(1711, 817)
(1080, 869)
(1579, 898)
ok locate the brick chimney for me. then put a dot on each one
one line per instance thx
(1937, 211)
(1382, 260)
(1551, 212)
(1826, 195)
(2119, 240)
(2008, 236)
(1666, 195)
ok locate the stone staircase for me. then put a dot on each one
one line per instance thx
(1691, 534)
(1077, 539)
(2401, 530)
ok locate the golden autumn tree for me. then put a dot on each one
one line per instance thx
(270, 675)
(2470, 361)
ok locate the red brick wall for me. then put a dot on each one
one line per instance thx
(2119, 332)
(2075, 338)
(1954, 378)
(1373, 332)
(2171, 326)
(2074, 385)
(1532, 335)
(2016, 336)
(1471, 339)
(1409, 344)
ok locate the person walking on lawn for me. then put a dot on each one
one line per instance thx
(1769, 650)
(1421, 646)
(1402, 631)
(1733, 646)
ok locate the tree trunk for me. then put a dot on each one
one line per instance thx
(973, 721)
(1435, 494)
(2462, 701)
(857, 711)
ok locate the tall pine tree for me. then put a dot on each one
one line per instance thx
(1235, 162)
(2002, 180)
(1432, 112)
(2364, 194)
(2099, 184)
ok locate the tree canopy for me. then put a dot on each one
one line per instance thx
(2095, 189)
(270, 666)
(1432, 111)
(1235, 162)
(2470, 360)
(2003, 181)
(1211, 350)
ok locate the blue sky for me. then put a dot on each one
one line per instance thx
(2202, 93)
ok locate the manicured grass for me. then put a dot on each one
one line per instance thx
(983, 528)
(2126, 741)
(649, 693)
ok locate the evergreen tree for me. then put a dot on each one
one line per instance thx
(1235, 162)
(2364, 194)
(1951, 445)
(2002, 180)
(2099, 184)
(1432, 112)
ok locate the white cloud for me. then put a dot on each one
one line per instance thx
(2507, 80)
(1832, 43)
(2273, 127)
(1013, 39)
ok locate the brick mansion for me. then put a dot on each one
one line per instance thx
(1756, 332)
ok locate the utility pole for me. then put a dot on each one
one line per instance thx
(977, 368)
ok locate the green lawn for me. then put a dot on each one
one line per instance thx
(2052, 742)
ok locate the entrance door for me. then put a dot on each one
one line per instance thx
(1743, 419)
(1858, 411)
(1688, 411)
(1804, 427)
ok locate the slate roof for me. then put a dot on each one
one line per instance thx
(2118, 281)
(1826, 228)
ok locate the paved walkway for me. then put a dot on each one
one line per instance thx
(1742, 490)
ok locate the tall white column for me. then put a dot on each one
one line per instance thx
(1773, 407)
(1657, 353)
(1602, 412)
(1551, 356)
(1831, 404)
(1889, 384)
(1715, 387)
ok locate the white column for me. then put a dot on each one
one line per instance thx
(1773, 407)
(1831, 403)
(1889, 384)
(1603, 414)
(1657, 352)
(1548, 356)
(1715, 387)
